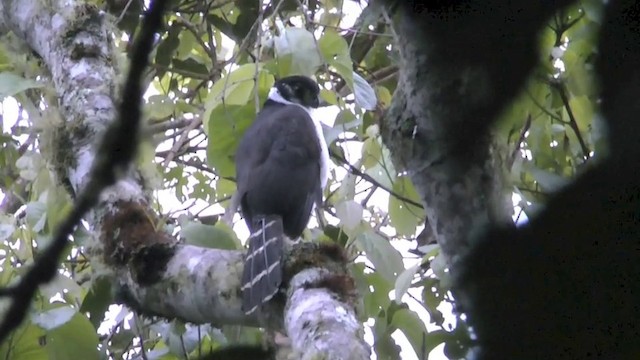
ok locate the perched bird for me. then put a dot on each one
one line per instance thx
(281, 169)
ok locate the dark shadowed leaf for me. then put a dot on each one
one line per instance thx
(414, 329)
(97, 301)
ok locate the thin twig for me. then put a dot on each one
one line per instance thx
(523, 133)
(197, 34)
(169, 125)
(184, 138)
(354, 170)
(572, 119)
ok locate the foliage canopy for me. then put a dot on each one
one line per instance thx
(212, 68)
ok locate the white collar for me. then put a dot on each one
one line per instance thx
(274, 95)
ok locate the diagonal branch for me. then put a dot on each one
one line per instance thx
(354, 170)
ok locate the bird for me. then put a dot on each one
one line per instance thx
(281, 170)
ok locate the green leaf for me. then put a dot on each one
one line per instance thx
(582, 109)
(36, 215)
(11, 84)
(332, 45)
(345, 70)
(226, 126)
(233, 89)
(350, 213)
(121, 340)
(374, 289)
(300, 44)
(26, 343)
(97, 300)
(364, 93)
(159, 106)
(58, 205)
(29, 165)
(594, 10)
(386, 259)
(548, 180)
(224, 188)
(371, 152)
(329, 96)
(403, 282)
(414, 329)
(71, 291)
(159, 353)
(214, 237)
(336, 234)
(384, 96)
(557, 128)
(76, 339)
(384, 345)
(7, 226)
(384, 173)
(432, 297)
(51, 319)
(168, 46)
(335, 50)
(404, 217)
(440, 267)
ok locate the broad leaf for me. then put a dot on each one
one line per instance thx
(403, 282)
(26, 343)
(7, 225)
(404, 216)
(381, 253)
(53, 318)
(300, 44)
(208, 236)
(364, 93)
(159, 106)
(350, 213)
(11, 84)
(233, 89)
(76, 339)
(97, 301)
(414, 329)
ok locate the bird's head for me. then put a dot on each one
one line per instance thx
(296, 89)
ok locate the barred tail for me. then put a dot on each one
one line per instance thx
(262, 273)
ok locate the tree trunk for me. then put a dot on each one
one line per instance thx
(566, 284)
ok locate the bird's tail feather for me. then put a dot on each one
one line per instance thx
(262, 273)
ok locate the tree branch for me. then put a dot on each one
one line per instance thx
(154, 274)
(586, 153)
(437, 127)
(115, 153)
(354, 170)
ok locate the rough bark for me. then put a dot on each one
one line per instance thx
(320, 315)
(155, 274)
(564, 286)
(452, 86)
